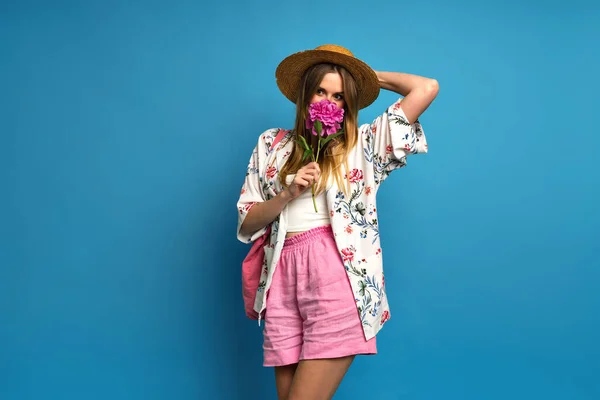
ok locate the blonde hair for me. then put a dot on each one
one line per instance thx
(335, 153)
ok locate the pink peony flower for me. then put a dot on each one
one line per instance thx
(328, 113)
(324, 120)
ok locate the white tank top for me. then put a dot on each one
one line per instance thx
(301, 211)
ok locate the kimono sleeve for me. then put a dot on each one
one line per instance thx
(389, 139)
(251, 192)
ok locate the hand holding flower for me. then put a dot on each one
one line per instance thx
(305, 177)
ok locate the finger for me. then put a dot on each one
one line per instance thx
(309, 177)
(301, 182)
(308, 169)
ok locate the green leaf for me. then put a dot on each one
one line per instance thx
(304, 143)
(319, 127)
(307, 153)
(307, 149)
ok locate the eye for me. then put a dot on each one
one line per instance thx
(339, 97)
(320, 91)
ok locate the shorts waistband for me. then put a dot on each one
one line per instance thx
(307, 237)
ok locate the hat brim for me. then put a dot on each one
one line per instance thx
(290, 71)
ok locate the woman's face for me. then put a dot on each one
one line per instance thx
(331, 88)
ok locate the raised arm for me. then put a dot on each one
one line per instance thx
(419, 92)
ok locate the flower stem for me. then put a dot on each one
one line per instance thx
(318, 149)
(313, 185)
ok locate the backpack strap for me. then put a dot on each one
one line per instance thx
(280, 135)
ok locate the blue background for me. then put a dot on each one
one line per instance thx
(125, 133)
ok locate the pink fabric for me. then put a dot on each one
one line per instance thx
(311, 311)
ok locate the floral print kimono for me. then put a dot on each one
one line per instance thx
(383, 147)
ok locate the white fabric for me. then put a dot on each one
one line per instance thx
(301, 211)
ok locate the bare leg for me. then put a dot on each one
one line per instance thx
(319, 379)
(283, 380)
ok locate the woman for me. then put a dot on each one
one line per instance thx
(322, 291)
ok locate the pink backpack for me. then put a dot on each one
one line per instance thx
(254, 261)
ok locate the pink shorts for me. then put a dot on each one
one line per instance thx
(311, 312)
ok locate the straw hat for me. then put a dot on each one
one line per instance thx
(290, 71)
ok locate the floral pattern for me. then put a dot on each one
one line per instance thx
(384, 146)
(355, 210)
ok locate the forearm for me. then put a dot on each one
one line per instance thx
(403, 83)
(418, 91)
(263, 213)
